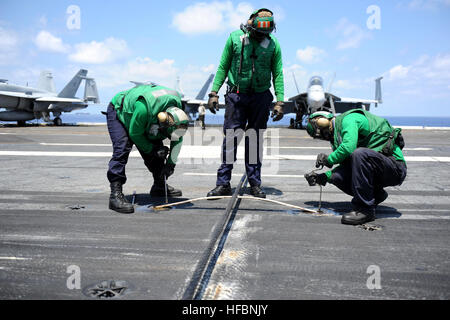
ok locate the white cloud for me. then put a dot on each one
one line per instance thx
(428, 74)
(350, 35)
(45, 41)
(211, 17)
(398, 72)
(310, 54)
(235, 17)
(138, 69)
(100, 52)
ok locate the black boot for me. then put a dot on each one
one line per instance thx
(220, 191)
(117, 201)
(358, 216)
(256, 191)
(158, 191)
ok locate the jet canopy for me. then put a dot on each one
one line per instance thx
(316, 81)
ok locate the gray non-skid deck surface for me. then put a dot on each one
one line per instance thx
(54, 215)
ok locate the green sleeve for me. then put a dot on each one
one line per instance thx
(352, 124)
(138, 125)
(328, 174)
(175, 148)
(277, 72)
(224, 66)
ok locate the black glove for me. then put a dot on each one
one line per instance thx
(322, 160)
(277, 112)
(160, 152)
(213, 102)
(314, 178)
(167, 170)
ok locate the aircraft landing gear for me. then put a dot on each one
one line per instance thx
(57, 121)
(21, 123)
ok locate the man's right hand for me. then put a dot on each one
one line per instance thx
(213, 102)
(314, 178)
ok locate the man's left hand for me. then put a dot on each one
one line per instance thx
(322, 160)
(277, 113)
(168, 170)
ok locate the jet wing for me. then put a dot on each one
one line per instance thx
(59, 99)
(301, 96)
(355, 100)
(19, 94)
(67, 107)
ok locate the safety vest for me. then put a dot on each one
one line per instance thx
(254, 74)
(157, 98)
(381, 137)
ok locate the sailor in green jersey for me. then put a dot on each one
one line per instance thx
(368, 151)
(145, 116)
(250, 59)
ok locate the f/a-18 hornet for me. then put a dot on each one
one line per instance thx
(23, 103)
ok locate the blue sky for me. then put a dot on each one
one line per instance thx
(120, 41)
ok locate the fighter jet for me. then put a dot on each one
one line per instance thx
(23, 103)
(317, 99)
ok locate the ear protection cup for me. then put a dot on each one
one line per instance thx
(162, 117)
(323, 122)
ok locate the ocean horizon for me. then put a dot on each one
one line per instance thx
(218, 120)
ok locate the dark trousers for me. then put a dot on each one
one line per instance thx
(122, 145)
(244, 113)
(365, 174)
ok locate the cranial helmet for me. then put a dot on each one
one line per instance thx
(319, 125)
(174, 121)
(261, 21)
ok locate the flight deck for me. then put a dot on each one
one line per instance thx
(59, 240)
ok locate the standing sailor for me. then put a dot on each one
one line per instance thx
(250, 58)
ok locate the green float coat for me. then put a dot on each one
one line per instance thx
(268, 62)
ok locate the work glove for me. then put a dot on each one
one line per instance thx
(160, 152)
(314, 178)
(277, 112)
(168, 170)
(213, 102)
(322, 160)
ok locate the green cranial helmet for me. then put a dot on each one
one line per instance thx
(319, 124)
(178, 123)
(262, 21)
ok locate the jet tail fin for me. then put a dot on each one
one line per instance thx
(202, 92)
(378, 96)
(90, 91)
(46, 81)
(71, 88)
